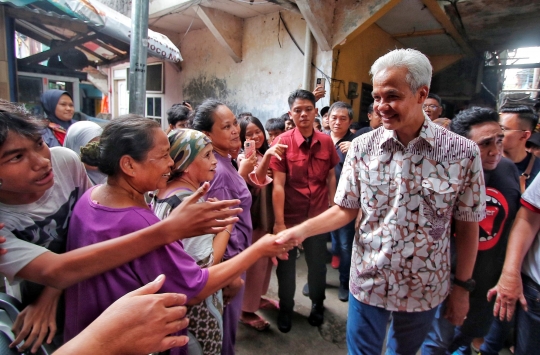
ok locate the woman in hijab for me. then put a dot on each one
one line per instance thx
(58, 106)
(78, 136)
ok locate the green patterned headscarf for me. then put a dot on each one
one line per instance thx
(186, 144)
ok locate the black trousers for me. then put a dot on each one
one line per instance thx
(315, 251)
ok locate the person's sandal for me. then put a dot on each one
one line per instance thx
(259, 324)
(268, 304)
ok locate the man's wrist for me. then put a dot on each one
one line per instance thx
(466, 285)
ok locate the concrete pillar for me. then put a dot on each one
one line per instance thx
(308, 56)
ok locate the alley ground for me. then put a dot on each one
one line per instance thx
(303, 338)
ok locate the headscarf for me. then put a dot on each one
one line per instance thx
(55, 135)
(80, 134)
(186, 144)
(49, 101)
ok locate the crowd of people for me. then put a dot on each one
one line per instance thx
(433, 222)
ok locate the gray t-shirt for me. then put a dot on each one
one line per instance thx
(531, 264)
(34, 228)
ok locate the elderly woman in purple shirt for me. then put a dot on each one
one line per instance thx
(134, 153)
(218, 122)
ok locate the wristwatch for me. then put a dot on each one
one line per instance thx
(469, 284)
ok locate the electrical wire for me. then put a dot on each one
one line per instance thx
(193, 19)
(330, 79)
(485, 87)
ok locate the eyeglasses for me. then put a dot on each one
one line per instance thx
(504, 129)
(431, 107)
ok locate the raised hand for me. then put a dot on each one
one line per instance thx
(277, 149)
(191, 219)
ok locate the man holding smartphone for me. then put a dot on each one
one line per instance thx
(303, 181)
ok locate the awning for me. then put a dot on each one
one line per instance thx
(102, 33)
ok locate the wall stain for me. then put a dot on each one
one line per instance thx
(203, 87)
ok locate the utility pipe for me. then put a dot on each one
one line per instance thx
(137, 56)
(308, 56)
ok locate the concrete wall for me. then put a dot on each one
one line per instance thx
(356, 58)
(271, 66)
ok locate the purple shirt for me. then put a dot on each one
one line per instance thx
(92, 223)
(228, 185)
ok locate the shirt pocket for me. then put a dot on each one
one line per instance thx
(375, 187)
(298, 167)
(438, 200)
(321, 165)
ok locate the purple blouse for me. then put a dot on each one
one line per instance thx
(228, 185)
(92, 223)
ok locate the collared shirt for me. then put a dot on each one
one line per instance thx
(306, 167)
(348, 137)
(408, 196)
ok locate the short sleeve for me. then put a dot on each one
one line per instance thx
(19, 254)
(348, 190)
(183, 273)
(471, 201)
(532, 194)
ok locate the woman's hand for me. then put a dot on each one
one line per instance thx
(37, 321)
(231, 290)
(246, 166)
(268, 247)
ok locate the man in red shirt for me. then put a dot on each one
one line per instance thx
(303, 181)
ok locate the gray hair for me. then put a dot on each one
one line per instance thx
(417, 64)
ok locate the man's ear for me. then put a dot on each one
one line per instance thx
(423, 93)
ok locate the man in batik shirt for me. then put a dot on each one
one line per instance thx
(406, 182)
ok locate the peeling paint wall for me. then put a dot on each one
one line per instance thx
(271, 66)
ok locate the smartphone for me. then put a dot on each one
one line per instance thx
(321, 82)
(249, 147)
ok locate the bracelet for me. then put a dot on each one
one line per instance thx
(226, 230)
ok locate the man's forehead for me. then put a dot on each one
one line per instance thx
(302, 103)
(340, 112)
(486, 130)
(507, 116)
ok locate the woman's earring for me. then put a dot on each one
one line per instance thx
(1, 182)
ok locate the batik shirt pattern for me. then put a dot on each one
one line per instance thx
(407, 197)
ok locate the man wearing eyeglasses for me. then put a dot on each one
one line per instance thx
(432, 106)
(518, 123)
